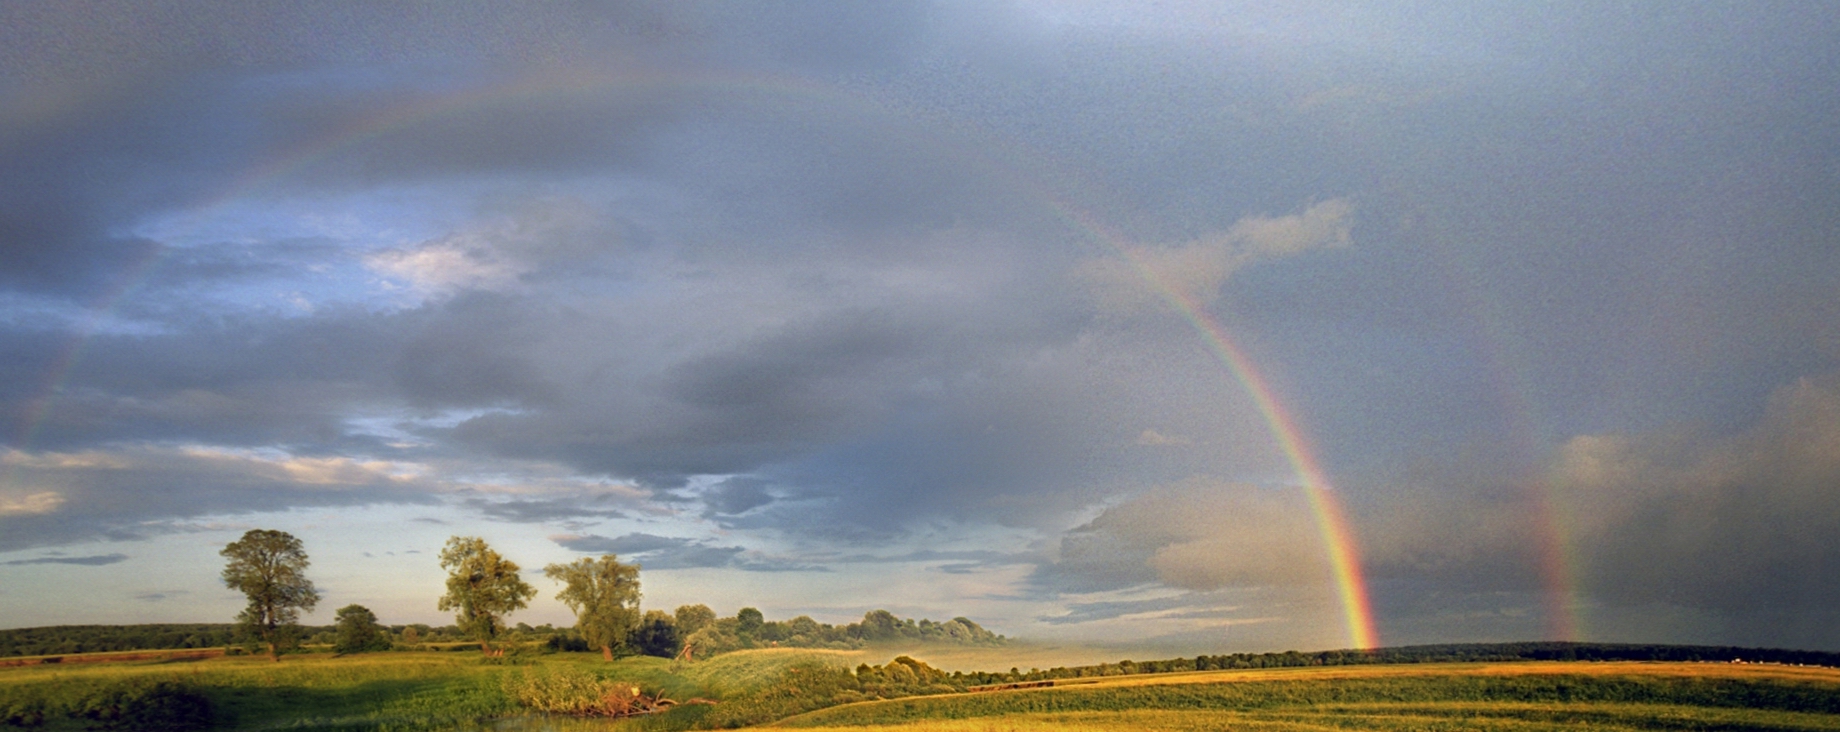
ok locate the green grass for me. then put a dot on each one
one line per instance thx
(744, 671)
(389, 691)
(1435, 697)
(462, 692)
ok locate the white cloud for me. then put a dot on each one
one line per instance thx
(458, 263)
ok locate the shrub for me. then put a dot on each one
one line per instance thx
(160, 705)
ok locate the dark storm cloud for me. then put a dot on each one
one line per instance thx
(89, 561)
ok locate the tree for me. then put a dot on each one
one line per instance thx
(483, 587)
(748, 621)
(656, 635)
(357, 631)
(270, 568)
(880, 625)
(604, 595)
(692, 618)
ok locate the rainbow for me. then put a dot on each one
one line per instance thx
(1337, 534)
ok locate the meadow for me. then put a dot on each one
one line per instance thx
(462, 692)
(1524, 696)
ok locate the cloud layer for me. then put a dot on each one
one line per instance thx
(874, 300)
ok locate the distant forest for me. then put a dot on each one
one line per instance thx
(747, 629)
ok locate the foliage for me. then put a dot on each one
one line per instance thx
(749, 629)
(482, 586)
(62, 639)
(270, 568)
(130, 704)
(811, 685)
(692, 618)
(358, 631)
(656, 635)
(604, 595)
(583, 694)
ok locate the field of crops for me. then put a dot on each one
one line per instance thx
(1518, 696)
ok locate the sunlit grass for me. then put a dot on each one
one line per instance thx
(457, 691)
(1521, 696)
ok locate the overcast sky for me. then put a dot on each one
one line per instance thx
(824, 307)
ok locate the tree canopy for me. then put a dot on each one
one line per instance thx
(604, 595)
(357, 631)
(482, 587)
(270, 568)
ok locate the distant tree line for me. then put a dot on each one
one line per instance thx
(703, 634)
(483, 588)
(1444, 653)
(66, 639)
(62, 639)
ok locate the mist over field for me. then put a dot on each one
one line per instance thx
(1206, 326)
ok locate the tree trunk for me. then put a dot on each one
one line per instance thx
(273, 655)
(485, 648)
(607, 653)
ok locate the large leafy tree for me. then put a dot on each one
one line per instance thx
(357, 631)
(270, 568)
(604, 594)
(482, 587)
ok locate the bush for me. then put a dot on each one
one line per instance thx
(579, 693)
(164, 706)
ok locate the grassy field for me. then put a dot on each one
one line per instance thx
(1519, 696)
(461, 692)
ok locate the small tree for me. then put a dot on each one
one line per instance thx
(270, 568)
(483, 587)
(604, 595)
(357, 631)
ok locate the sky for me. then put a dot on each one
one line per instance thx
(1221, 326)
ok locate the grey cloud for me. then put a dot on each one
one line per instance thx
(1187, 605)
(89, 561)
(1742, 523)
(736, 496)
(568, 508)
(132, 493)
(660, 552)
(1199, 535)
(846, 250)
